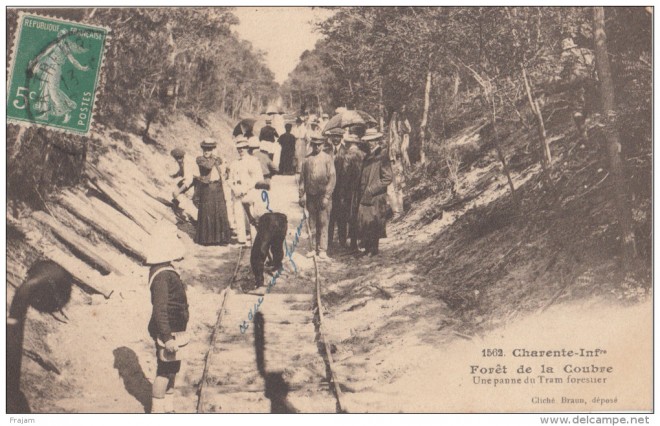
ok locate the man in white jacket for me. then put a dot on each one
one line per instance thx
(244, 174)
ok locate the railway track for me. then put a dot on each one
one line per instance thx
(280, 362)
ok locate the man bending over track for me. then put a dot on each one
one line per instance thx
(271, 232)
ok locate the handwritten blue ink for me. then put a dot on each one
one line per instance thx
(264, 198)
(289, 253)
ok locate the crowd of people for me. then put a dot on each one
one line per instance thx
(342, 174)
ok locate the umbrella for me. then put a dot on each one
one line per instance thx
(337, 131)
(349, 118)
(248, 123)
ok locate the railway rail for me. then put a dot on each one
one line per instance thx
(284, 356)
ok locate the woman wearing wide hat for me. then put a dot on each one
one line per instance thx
(212, 223)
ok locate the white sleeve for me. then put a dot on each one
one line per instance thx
(277, 154)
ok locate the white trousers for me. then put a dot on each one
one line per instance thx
(241, 219)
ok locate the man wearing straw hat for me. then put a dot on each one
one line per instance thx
(375, 177)
(335, 147)
(244, 174)
(317, 183)
(169, 317)
(348, 166)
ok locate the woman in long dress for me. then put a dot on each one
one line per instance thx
(212, 221)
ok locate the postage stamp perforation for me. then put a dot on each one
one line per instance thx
(100, 74)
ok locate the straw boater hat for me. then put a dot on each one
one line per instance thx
(241, 142)
(164, 244)
(208, 144)
(324, 115)
(371, 135)
(317, 138)
(178, 153)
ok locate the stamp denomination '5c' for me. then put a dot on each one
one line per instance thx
(54, 75)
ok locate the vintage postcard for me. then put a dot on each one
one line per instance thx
(330, 210)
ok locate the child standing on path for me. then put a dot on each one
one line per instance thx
(169, 317)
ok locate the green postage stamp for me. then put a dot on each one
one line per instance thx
(54, 73)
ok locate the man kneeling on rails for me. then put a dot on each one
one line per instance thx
(271, 232)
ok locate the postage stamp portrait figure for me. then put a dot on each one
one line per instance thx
(54, 74)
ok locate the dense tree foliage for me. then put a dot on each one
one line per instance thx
(380, 58)
(453, 66)
(159, 61)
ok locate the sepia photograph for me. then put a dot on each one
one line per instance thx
(325, 209)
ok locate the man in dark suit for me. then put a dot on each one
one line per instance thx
(376, 176)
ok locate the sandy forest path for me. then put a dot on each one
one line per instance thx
(116, 375)
(398, 347)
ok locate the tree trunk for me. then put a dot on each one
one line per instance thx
(498, 148)
(224, 98)
(381, 107)
(544, 148)
(425, 117)
(613, 145)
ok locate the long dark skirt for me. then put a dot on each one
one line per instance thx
(287, 158)
(212, 222)
(371, 219)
